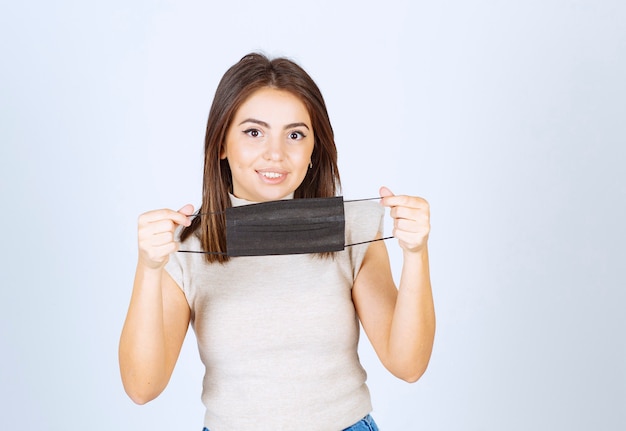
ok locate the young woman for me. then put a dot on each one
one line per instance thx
(277, 334)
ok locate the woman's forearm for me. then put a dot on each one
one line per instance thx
(142, 351)
(413, 326)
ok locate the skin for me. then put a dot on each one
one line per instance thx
(268, 147)
(399, 322)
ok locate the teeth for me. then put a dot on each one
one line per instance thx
(271, 174)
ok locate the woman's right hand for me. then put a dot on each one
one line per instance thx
(158, 314)
(155, 234)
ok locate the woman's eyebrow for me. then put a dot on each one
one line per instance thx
(255, 121)
(292, 125)
(266, 125)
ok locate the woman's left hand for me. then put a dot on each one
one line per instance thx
(411, 219)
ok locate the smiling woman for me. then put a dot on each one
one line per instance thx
(269, 145)
(240, 97)
(278, 334)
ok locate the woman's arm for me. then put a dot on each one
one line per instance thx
(400, 323)
(158, 314)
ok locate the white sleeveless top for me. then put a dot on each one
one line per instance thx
(278, 335)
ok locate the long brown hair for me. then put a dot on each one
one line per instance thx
(253, 72)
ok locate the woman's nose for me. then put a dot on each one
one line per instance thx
(273, 149)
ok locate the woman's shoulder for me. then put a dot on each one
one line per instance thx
(363, 216)
(363, 211)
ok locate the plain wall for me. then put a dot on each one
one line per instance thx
(508, 116)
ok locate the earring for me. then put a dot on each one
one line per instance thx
(310, 165)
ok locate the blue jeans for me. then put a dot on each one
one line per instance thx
(365, 424)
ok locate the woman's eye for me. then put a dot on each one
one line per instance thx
(296, 135)
(254, 133)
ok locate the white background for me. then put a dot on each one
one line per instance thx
(508, 116)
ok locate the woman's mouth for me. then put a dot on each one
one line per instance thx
(272, 176)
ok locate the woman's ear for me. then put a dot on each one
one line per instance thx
(223, 152)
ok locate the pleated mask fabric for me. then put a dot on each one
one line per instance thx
(290, 226)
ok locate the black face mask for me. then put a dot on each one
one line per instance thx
(290, 226)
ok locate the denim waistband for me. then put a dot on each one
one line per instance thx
(365, 424)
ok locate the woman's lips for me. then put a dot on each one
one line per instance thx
(272, 176)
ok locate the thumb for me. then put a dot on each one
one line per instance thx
(385, 192)
(187, 210)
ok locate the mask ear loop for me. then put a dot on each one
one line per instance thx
(226, 254)
(367, 242)
(198, 214)
(372, 240)
(203, 252)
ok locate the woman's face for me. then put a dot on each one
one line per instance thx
(269, 145)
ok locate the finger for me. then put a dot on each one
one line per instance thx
(410, 213)
(405, 201)
(397, 212)
(179, 217)
(384, 192)
(156, 216)
(388, 199)
(159, 239)
(186, 210)
(158, 226)
(407, 225)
